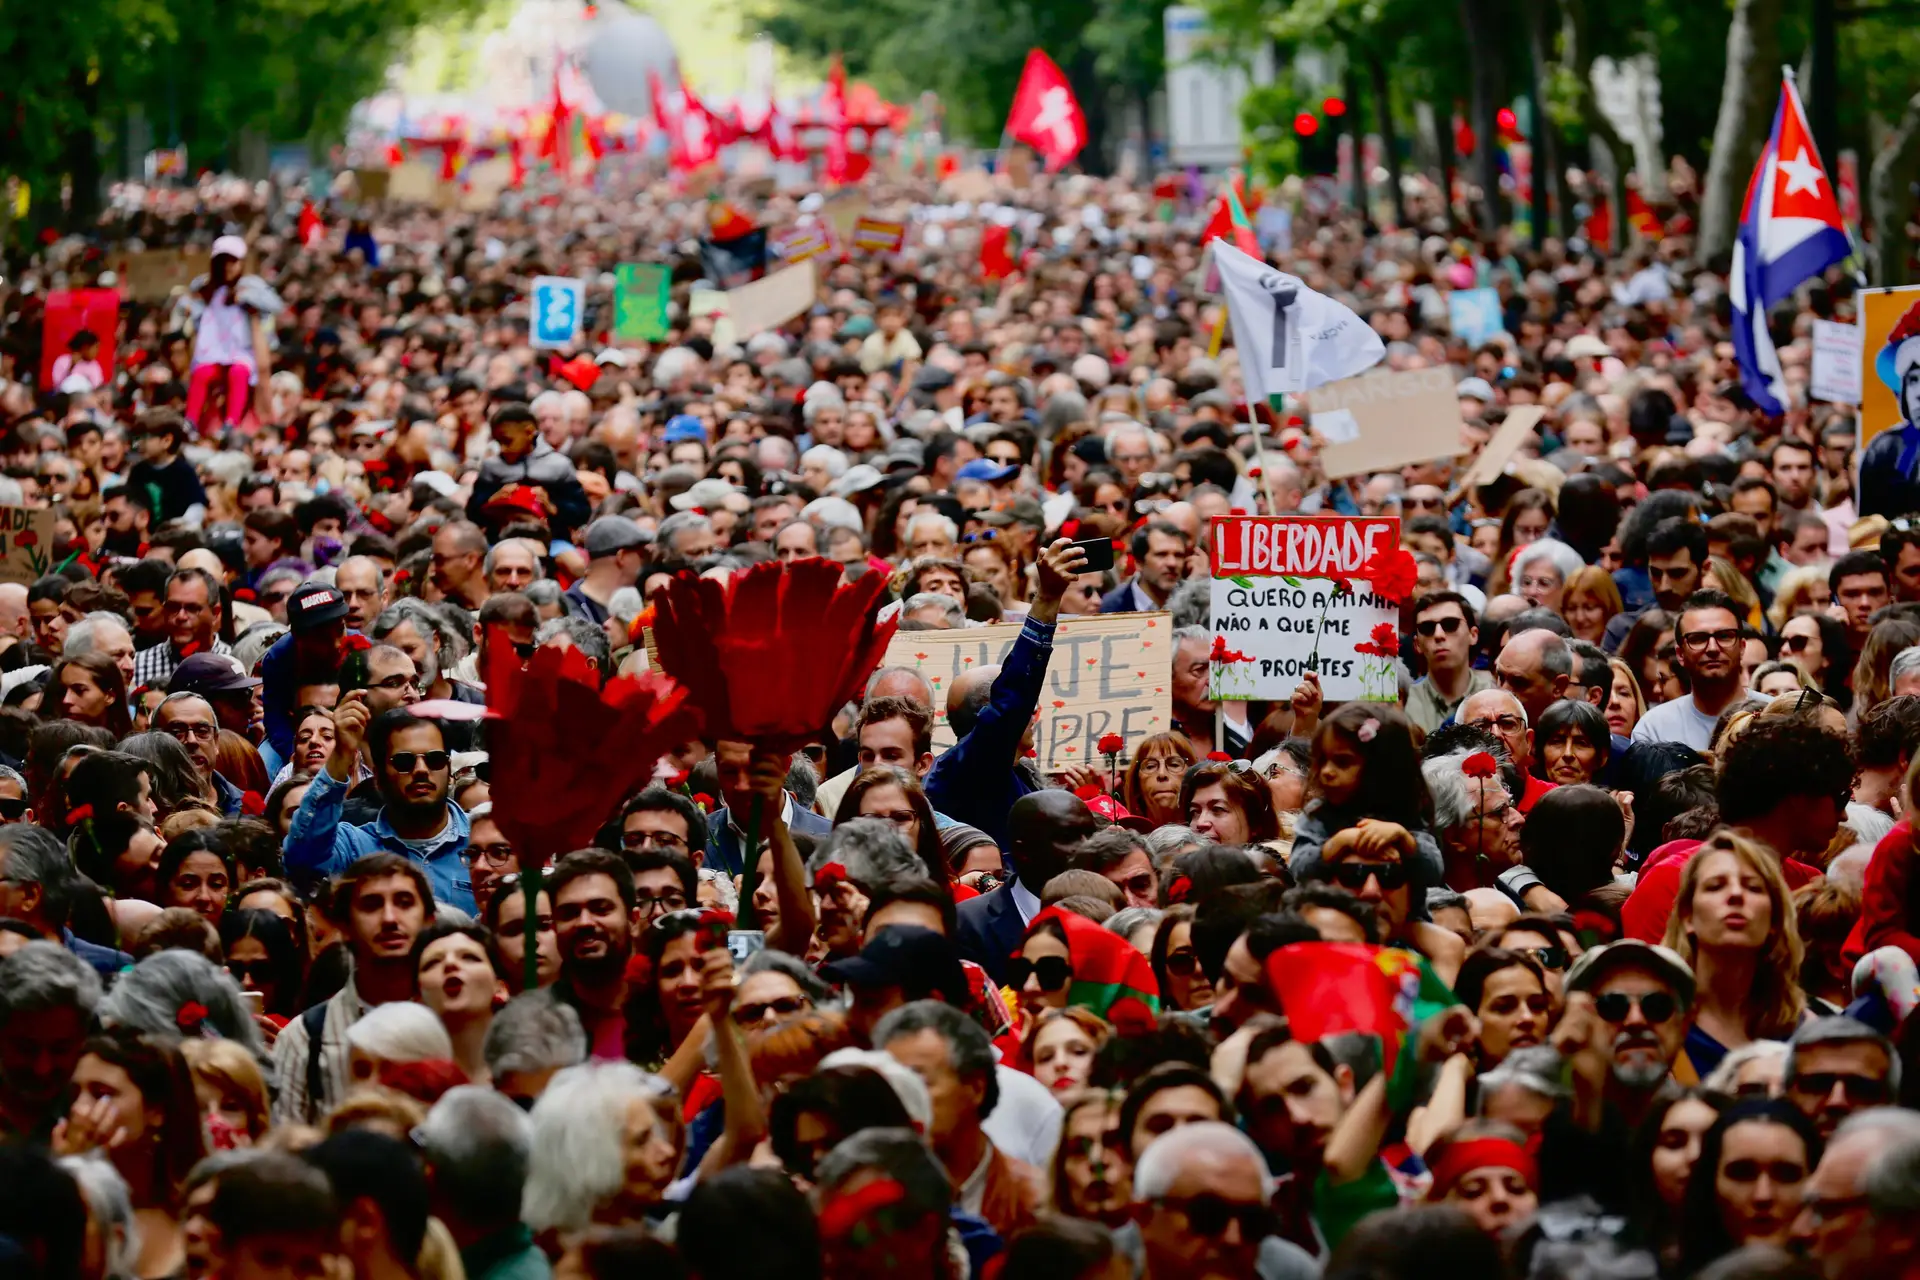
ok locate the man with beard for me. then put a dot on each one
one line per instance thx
(380, 903)
(596, 918)
(413, 769)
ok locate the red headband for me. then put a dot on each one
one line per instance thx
(1461, 1158)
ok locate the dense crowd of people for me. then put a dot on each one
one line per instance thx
(1631, 855)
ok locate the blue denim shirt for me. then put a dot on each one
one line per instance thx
(319, 844)
(974, 780)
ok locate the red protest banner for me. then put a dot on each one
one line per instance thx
(69, 311)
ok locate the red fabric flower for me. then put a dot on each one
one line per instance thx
(77, 816)
(1178, 888)
(253, 804)
(1392, 571)
(189, 1017)
(1218, 755)
(1111, 744)
(829, 875)
(1480, 764)
(680, 779)
(1090, 791)
(354, 642)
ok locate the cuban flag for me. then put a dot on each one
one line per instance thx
(1790, 231)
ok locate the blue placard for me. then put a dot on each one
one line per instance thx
(1475, 315)
(559, 306)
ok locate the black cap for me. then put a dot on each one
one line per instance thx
(206, 673)
(314, 604)
(919, 961)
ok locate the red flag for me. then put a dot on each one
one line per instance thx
(1045, 114)
(996, 256)
(833, 111)
(1229, 220)
(1641, 217)
(692, 138)
(313, 229)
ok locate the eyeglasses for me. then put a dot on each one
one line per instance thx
(1553, 958)
(1354, 875)
(1655, 1006)
(1431, 625)
(1860, 1089)
(270, 598)
(637, 840)
(1052, 972)
(496, 855)
(1508, 723)
(1726, 639)
(670, 901)
(1209, 1215)
(784, 1007)
(192, 732)
(982, 535)
(255, 971)
(404, 761)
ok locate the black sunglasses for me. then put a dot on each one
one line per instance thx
(1209, 1214)
(1354, 875)
(1431, 625)
(13, 810)
(1053, 972)
(435, 761)
(1655, 1006)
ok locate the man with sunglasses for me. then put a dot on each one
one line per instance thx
(1708, 639)
(1836, 1067)
(413, 770)
(1628, 1009)
(1444, 633)
(1200, 1204)
(1375, 861)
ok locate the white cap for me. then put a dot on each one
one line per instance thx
(230, 247)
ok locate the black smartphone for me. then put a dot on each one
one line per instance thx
(1099, 554)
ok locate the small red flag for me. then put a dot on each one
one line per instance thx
(1045, 115)
(996, 256)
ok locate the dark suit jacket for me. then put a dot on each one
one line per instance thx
(991, 931)
(1119, 600)
(723, 846)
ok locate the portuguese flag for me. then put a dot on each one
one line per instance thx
(1334, 988)
(1106, 967)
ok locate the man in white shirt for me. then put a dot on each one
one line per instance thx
(1707, 643)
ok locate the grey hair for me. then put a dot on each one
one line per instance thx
(477, 1143)
(1839, 1029)
(1890, 1178)
(428, 621)
(10, 774)
(872, 851)
(493, 553)
(968, 1047)
(149, 996)
(1441, 898)
(401, 1031)
(825, 455)
(578, 1158)
(624, 605)
(881, 673)
(1183, 634)
(110, 1209)
(1162, 841)
(1160, 1164)
(1125, 427)
(547, 398)
(676, 524)
(801, 780)
(586, 637)
(45, 975)
(1537, 1068)
(902, 1155)
(1725, 1078)
(1905, 663)
(543, 593)
(726, 895)
(1125, 921)
(1063, 409)
(32, 855)
(1447, 783)
(1566, 561)
(950, 608)
(674, 364)
(780, 962)
(534, 1032)
(906, 1083)
(945, 525)
(81, 635)
(1192, 605)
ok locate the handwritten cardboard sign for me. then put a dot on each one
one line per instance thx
(152, 275)
(26, 543)
(1108, 674)
(1836, 362)
(1380, 421)
(1278, 611)
(772, 301)
(1519, 424)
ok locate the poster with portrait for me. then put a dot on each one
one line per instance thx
(1881, 311)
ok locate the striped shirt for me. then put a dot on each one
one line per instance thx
(155, 666)
(290, 1050)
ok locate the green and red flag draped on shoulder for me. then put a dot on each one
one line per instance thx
(1335, 988)
(1107, 969)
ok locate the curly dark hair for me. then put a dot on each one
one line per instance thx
(1778, 761)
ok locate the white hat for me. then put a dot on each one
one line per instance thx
(1092, 371)
(858, 478)
(709, 495)
(230, 247)
(1584, 346)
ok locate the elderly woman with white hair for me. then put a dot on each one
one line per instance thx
(821, 465)
(607, 1141)
(113, 1233)
(149, 998)
(394, 1033)
(1541, 569)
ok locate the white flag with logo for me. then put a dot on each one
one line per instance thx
(1290, 338)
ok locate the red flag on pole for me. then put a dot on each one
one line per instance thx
(1045, 114)
(833, 112)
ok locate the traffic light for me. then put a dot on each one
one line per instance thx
(1306, 124)
(1334, 107)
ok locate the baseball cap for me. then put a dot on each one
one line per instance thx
(1108, 809)
(313, 604)
(1474, 389)
(229, 247)
(1584, 346)
(983, 469)
(858, 479)
(709, 494)
(683, 427)
(610, 534)
(211, 673)
(905, 454)
(918, 961)
(932, 378)
(1596, 964)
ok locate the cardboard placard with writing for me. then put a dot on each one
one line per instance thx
(1836, 362)
(1519, 424)
(1108, 674)
(1380, 421)
(153, 274)
(1278, 609)
(771, 302)
(412, 182)
(26, 543)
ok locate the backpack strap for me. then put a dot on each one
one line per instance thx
(315, 1021)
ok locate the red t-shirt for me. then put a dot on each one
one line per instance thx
(1651, 905)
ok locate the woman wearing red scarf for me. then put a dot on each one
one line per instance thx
(1069, 960)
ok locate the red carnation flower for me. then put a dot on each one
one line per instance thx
(704, 800)
(1221, 756)
(253, 804)
(1089, 791)
(77, 816)
(1111, 744)
(829, 875)
(26, 538)
(680, 779)
(1178, 888)
(1392, 571)
(1480, 764)
(190, 1016)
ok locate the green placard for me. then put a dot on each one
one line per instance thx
(640, 302)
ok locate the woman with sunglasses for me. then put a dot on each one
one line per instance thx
(1069, 960)
(1746, 1186)
(1548, 941)
(895, 796)
(1183, 983)
(264, 958)
(1092, 1174)
(1151, 786)
(1733, 924)
(1508, 993)
(1817, 645)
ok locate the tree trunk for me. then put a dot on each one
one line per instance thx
(1577, 33)
(1548, 177)
(1890, 194)
(1747, 98)
(1489, 81)
(1356, 133)
(1389, 140)
(1443, 149)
